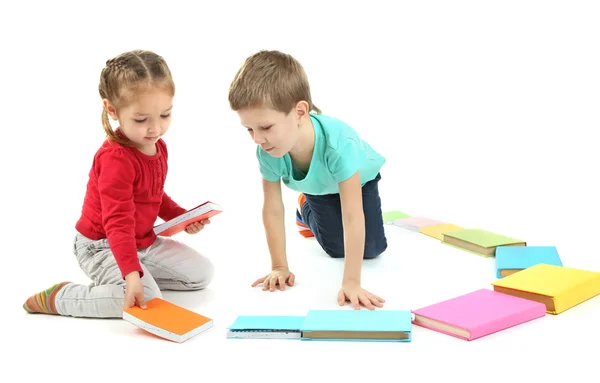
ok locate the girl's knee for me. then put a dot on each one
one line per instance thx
(200, 272)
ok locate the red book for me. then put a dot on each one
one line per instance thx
(199, 213)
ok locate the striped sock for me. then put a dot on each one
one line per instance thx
(303, 228)
(43, 302)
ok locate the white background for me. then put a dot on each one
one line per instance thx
(485, 111)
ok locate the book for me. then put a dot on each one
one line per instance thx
(480, 241)
(390, 216)
(437, 231)
(178, 224)
(510, 259)
(167, 320)
(478, 314)
(265, 327)
(559, 288)
(415, 223)
(358, 325)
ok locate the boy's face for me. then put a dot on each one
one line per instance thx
(274, 131)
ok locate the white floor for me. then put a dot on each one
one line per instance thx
(414, 272)
(485, 114)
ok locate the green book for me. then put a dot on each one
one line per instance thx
(480, 241)
(391, 216)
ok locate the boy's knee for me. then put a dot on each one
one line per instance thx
(335, 254)
(375, 249)
(334, 248)
(371, 250)
(372, 255)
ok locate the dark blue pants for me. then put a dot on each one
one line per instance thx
(323, 215)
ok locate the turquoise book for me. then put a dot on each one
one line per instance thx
(265, 327)
(358, 325)
(511, 259)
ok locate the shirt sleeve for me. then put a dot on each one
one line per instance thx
(344, 163)
(169, 209)
(265, 170)
(116, 175)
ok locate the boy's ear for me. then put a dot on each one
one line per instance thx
(302, 110)
(110, 109)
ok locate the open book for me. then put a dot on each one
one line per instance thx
(266, 327)
(179, 223)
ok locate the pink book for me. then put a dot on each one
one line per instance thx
(415, 223)
(477, 314)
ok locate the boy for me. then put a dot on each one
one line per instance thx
(321, 157)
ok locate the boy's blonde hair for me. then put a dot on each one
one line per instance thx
(270, 79)
(125, 75)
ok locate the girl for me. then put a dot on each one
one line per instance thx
(321, 157)
(115, 244)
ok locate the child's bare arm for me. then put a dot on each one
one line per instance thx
(273, 214)
(353, 220)
(273, 221)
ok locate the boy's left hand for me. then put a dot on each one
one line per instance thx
(196, 227)
(352, 292)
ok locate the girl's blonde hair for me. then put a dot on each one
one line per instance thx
(127, 74)
(270, 79)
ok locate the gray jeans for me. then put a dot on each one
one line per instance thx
(167, 265)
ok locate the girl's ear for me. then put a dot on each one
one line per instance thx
(302, 111)
(110, 109)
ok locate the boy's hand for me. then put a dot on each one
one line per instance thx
(134, 291)
(351, 291)
(196, 227)
(276, 277)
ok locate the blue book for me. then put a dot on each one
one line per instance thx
(265, 327)
(510, 259)
(358, 325)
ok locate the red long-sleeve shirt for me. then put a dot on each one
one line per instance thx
(124, 197)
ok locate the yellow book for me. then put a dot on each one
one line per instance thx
(559, 288)
(437, 231)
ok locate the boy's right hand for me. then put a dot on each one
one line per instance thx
(276, 277)
(134, 291)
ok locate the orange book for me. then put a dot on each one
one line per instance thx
(167, 320)
(179, 223)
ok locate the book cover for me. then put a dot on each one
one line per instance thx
(478, 314)
(510, 259)
(179, 223)
(390, 216)
(437, 231)
(559, 288)
(265, 327)
(480, 241)
(358, 325)
(167, 320)
(415, 223)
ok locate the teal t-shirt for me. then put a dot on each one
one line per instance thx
(338, 153)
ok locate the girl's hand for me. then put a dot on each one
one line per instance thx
(196, 227)
(134, 291)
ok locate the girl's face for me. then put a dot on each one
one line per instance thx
(146, 119)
